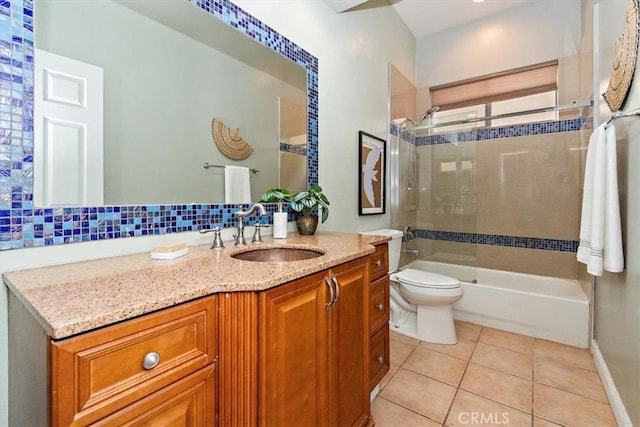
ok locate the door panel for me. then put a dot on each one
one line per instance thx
(68, 137)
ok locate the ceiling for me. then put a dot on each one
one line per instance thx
(425, 17)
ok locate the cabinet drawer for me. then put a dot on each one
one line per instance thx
(379, 261)
(379, 356)
(185, 403)
(379, 303)
(97, 373)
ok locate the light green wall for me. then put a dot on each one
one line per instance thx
(353, 49)
(617, 296)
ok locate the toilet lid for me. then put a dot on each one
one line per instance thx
(427, 279)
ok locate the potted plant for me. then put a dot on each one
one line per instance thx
(279, 196)
(304, 202)
(276, 195)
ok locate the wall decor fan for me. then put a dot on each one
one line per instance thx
(229, 141)
(624, 62)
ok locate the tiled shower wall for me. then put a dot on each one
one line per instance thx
(505, 198)
(508, 202)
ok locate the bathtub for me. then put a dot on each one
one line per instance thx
(538, 306)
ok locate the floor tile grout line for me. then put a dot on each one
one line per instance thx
(410, 410)
(466, 366)
(574, 394)
(561, 389)
(533, 386)
(485, 397)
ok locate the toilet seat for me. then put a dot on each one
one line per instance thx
(424, 279)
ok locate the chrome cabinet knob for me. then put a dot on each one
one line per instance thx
(380, 306)
(151, 360)
(378, 263)
(380, 360)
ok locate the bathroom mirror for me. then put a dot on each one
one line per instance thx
(169, 68)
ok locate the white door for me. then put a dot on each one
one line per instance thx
(68, 132)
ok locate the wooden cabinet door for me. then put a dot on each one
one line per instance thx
(293, 354)
(185, 403)
(349, 344)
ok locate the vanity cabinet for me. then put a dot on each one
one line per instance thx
(314, 340)
(379, 315)
(301, 353)
(158, 369)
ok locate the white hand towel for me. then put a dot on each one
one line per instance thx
(613, 255)
(600, 232)
(237, 186)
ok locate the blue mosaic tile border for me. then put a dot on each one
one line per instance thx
(22, 225)
(585, 121)
(535, 128)
(498, 240)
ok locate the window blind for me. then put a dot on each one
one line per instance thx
(508, 84)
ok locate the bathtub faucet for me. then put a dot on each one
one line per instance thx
(412, 252)
(408, 234)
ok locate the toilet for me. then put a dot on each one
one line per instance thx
(421, 302)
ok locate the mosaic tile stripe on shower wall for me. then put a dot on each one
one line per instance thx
(497, 240)
(23, 225)
(511, 131)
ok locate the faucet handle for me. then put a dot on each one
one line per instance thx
(217, 238)
(257, 237)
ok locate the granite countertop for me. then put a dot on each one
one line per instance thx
(73, 298)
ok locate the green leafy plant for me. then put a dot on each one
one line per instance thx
(304, 202)
(277, 195)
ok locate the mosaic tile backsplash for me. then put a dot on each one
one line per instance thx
(23, 225)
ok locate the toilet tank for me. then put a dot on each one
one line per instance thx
(394, 245)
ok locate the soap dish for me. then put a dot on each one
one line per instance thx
(169, 255)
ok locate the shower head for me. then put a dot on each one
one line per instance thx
(426, 114)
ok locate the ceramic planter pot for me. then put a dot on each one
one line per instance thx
(307, 225)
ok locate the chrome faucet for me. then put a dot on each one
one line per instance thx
(241, 215)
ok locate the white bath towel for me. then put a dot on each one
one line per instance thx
(600, 231)
(237, 185)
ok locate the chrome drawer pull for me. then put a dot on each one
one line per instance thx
(335, 280)
(378, 263)
(380, 306)
(332, 296)
(151, 360)
(380, 360)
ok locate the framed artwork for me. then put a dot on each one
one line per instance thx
(372, 156)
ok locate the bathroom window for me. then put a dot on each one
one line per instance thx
(523, 103)
(520, 89)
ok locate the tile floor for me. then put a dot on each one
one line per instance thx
(490, 377)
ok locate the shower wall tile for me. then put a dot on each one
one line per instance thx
(498, 257)
(496, 175)
(528, 261)
(530, 186)
(548, 187)
(546, 263)
(452, 252)
(403, 96)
